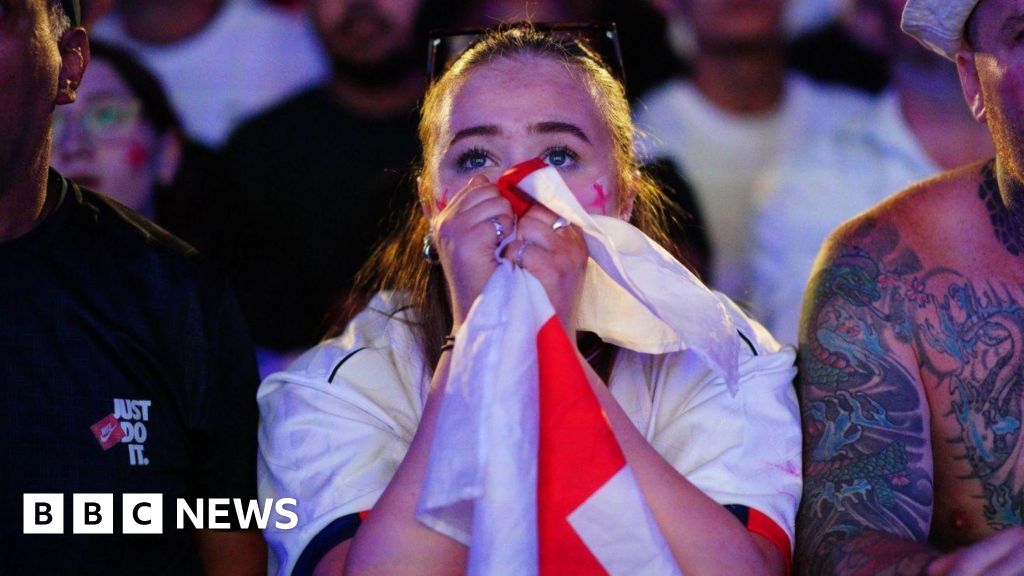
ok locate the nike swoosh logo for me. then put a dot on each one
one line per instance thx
(105, 433)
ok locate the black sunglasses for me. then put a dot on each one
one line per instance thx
(446, 45)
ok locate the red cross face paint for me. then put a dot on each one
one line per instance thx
(600, 198)
(441, 202)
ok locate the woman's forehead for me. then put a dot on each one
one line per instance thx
(524, 87)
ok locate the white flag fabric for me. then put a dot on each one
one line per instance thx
(524, 468)
(635, 294)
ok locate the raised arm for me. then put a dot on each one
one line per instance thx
(868, 476)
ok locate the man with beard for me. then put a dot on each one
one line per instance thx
(911, 359)
(916, 128)
(737, 116)
(309, 182)
(125, 369)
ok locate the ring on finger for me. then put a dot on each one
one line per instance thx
(562, 222)
(518, 258)
(499, 228)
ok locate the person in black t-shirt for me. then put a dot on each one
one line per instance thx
(311, 183)
(125, 367)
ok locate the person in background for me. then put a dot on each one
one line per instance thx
(123, 139)
(220, 61)
(738, 116)
(125, 367)
(112, 140)
(911, 372)
(348, 427)
(918, 127)
(308, 183)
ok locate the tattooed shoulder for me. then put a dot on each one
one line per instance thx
(867, 453)
(885, 330)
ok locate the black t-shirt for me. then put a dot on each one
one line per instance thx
(306, 189)
(125, 367)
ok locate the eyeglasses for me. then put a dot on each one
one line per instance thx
(445, 46)
(103, 120)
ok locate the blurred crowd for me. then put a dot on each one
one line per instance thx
(279, 137)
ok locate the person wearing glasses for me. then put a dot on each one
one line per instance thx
(125, 367)
(347, 429)
(112, 140)
(123, 139)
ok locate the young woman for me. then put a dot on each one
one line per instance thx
(123, 139)
(348, 427)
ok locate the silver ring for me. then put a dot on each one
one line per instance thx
(499, 228)
(562, 222)
(518, 258)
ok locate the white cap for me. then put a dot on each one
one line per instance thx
(938, 24)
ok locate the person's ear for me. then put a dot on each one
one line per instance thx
(168, 158)
(74, 58)
(426, 199)
(967, 68)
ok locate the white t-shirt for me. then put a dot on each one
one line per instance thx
(834, 176)
(335, 426)
(724, 155)
(250, 56)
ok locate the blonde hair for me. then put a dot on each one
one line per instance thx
(398, 263)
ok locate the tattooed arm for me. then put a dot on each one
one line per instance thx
(868, 478)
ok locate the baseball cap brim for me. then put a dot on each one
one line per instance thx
(938, 24)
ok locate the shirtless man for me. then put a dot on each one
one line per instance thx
(912, 345)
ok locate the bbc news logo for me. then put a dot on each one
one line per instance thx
(144, 513)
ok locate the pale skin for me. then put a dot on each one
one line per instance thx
(544, 111)
(911, 388)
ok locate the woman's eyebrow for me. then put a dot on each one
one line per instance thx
(482, 130)
(559, 127)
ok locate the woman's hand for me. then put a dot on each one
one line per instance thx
(466, 235)
(558, 258)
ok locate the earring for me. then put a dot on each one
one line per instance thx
(429, 252)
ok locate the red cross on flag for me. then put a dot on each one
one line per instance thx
(525, 468)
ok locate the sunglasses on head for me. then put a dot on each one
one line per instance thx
(602, 38)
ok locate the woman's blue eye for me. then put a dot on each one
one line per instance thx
(473, 160)
(560, 157)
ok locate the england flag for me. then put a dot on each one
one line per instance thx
(524, 468)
